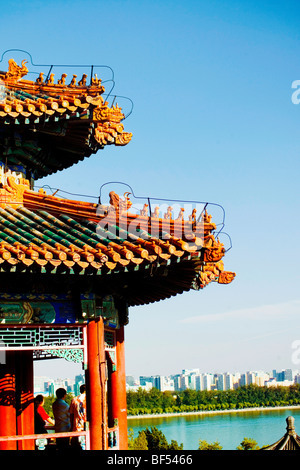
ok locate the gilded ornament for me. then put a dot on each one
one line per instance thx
(82, 82)
(123, 139)
(15, 71)
(155, 214)
(50, 80)
(118, 204)
(62, 80)
(144, 211)
(104, 113)
(96, 81)
(40, 79)
(168, 214)
(213, 254)
(192, 217)
(206, 218)
(226, 277)
(181, 214)
(73, 81)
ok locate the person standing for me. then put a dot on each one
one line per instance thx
(61, 414)
(41, 418)
(78, 415)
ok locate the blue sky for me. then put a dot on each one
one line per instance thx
(213, 120)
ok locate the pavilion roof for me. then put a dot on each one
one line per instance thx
(290, 441)
(41, 233)
(47, 126)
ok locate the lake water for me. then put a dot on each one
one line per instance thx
(229, 429)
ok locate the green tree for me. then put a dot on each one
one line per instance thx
(141, 443)
(204, 445)
(188, 400)
(130, 435)
(248, 444)
(175, 446)
(48, 405)
(156, 440)
(138, 443)
(189, 397)
(168, 400)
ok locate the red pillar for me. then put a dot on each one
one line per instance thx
(118, 385)
(8, 426)
(25, 398)
(96, 384)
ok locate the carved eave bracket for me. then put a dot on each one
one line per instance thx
(226, 277)
(214, 250)
(214, 272)
(109, 128)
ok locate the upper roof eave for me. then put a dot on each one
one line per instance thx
(58, 125)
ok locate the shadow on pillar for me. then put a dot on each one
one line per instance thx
(8, 420)
(16, 399)
(25, 398)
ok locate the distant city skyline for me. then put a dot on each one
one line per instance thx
(45, 385)
(204, 371)
(69, 370)
(196, 380)
(63, 369)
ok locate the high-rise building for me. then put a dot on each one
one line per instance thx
(208, 380)
(130, 380)
(297, 379)
(146, 379)
(184, 382)
(228, 379)
(220, 382)
(199, 382)
(243, 380)
(51, 389)
(288, 374)
(176, 379)
(163, 383)
(41, 384)
(250, 378)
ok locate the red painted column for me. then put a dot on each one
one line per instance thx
(8, 425)
(118, 385)
(95, 382)
(25, 398)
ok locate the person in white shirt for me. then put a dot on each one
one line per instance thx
(78, 416)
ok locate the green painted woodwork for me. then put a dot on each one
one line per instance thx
(37, 312)
(71, 355)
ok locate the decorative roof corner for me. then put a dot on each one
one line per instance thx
(290, 441)
(72, 116)
(48, 125)
(12, 191)
(54, 235)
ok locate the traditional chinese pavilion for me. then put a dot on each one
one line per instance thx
(69, 269)
(290, 440)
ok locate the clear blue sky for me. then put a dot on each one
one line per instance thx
(213, 120)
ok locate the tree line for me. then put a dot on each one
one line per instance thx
(249, 396)
(154, 440)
